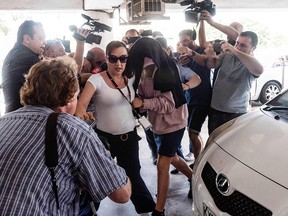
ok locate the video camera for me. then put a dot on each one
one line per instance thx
(193, 12)
(93, 26)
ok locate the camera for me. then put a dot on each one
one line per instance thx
(193, 12)
(133, 39)
(93, 26)
(217, 46)
(144, 122)
(145, 33)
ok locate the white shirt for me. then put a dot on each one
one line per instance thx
(113, 112)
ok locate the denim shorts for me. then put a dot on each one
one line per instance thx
(168, 143)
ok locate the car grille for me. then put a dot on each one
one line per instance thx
(235, 204)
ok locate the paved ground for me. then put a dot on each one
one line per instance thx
(177, 203)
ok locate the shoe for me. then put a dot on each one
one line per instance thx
(191, 166)
(190, 190)
(189, 157)
(174, 171)
(157, 213)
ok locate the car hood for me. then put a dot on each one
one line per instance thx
(259, 141)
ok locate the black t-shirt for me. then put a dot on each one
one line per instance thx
(201, 95)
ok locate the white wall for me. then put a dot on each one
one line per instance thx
(40, 4)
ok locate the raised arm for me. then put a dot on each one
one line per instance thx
(79, 53)
(253, 65)
(226, 29)
(202, 34)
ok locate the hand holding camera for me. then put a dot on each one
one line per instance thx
(93, 26)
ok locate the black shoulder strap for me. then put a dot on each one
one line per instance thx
(51, 154)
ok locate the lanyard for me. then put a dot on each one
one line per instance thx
(136, 112)
(115, 84)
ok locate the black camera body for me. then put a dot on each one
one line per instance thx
(145, 33)
(217, 46)
(193, 12)
(93, 26)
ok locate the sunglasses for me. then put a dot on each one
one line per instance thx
(114, 59)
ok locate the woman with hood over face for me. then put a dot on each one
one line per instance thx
(160, 93)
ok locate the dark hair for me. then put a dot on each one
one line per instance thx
(162, 41)
(27, 28)
(132, 30)
(252, 35)
(51, 83)
(114, 45)
(166, 77)
(189, 32)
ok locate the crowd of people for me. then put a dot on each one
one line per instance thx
(138, 77)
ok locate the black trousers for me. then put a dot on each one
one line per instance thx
(125, 148)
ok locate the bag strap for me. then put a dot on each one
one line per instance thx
(51, 153)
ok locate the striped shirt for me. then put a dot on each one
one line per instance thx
(25, 183)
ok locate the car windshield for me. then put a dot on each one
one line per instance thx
(280, 102)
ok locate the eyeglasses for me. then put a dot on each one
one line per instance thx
(114, 59)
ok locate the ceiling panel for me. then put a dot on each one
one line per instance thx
(102, 4)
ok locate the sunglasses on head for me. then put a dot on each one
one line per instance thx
(114, 59)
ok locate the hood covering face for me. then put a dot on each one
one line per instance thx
(166, 77)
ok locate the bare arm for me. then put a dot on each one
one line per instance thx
(79, 53)
(187, 52)
(121, 195)
(253, 65)
(192, 83)
(228, 30)
(202, 34)
(84, 100)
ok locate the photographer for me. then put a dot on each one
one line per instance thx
(200, 97)
(55, 48)
(130, 37)
(232, 31)
(239, 69)
(25, 184)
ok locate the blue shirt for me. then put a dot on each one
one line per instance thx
(24, 178)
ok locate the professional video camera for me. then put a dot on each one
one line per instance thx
(193, 12)
(93, 26)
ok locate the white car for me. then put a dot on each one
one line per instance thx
(243, 170)
(273, 79)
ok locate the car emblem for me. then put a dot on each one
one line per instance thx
(222, 184)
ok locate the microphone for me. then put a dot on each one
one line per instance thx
(77, 36)
(72, 27)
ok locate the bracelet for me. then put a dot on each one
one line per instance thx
(187, 85)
